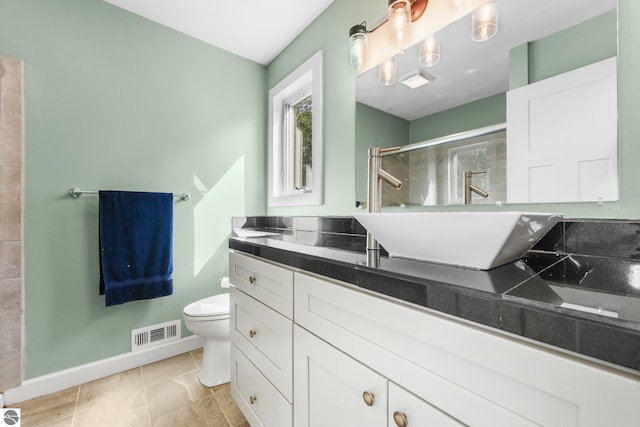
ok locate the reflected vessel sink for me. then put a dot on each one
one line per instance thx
(479, 240)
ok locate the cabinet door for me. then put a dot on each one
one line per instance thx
(407, 409)
(332, 389)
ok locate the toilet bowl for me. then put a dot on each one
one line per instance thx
(209, 319)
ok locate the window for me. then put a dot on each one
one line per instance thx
(295, 137)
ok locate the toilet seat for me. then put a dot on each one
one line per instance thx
(210, 308)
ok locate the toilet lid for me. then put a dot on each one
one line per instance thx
(212, 306)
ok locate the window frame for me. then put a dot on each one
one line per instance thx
(307, 76)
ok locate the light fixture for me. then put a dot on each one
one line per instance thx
(416, 78)
(484, 22)
(358, 45)
(400, 16)
(387, 72)
(429, 54)
(399, 22)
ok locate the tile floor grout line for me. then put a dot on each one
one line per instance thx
(146, 397)
(193, 358)
(224, 413)
(75, 407)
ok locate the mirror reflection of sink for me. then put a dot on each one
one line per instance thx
(479, 240)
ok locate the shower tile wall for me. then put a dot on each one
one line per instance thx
(11, 190)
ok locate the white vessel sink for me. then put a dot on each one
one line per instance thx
(479, 240)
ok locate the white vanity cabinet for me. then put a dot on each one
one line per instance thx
(261, 340)
(468, 374)
(350, 348)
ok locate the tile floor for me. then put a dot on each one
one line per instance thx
(163, 393)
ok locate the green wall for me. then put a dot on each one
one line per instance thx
(114, 101)
(483, 112)
(583, 44)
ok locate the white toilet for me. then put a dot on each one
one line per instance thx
(209, 319)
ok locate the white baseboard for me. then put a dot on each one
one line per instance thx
(72, 377)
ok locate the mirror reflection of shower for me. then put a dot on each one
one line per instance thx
(434, 173)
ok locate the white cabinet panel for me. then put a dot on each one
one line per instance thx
(256, 397)
(329, 387)
(562, 137)
(268, 283)
(266, 337)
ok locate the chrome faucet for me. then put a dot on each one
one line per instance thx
(469, 187)
(374, 198)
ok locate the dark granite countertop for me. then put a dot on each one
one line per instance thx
(578, 302)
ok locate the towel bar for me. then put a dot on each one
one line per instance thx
(76, 192)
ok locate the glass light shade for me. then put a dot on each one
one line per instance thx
(399, 22)
(484, 22)
(387, 72)
(357, 46)
(456, 4)
(429, 51)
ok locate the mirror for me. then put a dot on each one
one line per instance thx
(472, 78)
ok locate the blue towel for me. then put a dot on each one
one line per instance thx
(136, 243)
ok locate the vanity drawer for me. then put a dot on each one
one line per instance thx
(259, 401)
(266, 282)
(265, 337)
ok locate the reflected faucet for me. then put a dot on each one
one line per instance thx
(469, 187)
(374, 198)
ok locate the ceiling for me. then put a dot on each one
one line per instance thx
(254, 29)
(470, 70)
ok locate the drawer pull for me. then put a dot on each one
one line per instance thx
(252, 399)
(252, 280)
(367, 396)
(400, 419)
(252, 333)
